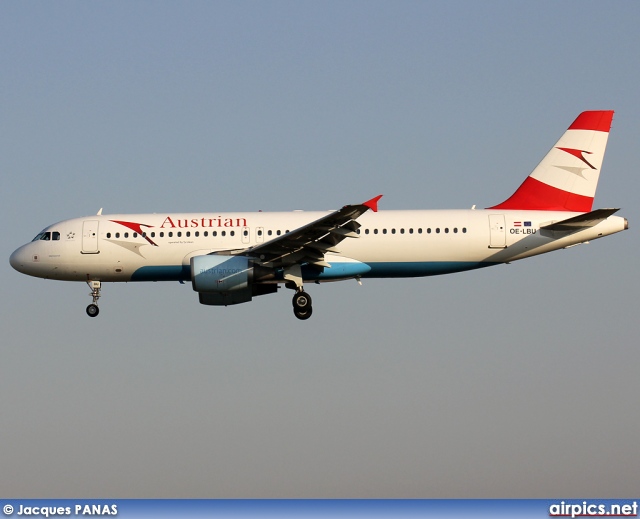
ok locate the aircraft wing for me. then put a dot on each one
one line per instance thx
(309, 243)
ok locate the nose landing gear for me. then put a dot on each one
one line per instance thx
(92, 309)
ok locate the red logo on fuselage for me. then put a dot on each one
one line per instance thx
(218, 221)
(137, 227)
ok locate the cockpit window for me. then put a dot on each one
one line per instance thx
(45, 235)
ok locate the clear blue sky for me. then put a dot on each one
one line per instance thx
(514, 381)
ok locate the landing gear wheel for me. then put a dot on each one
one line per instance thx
(93, 310)
(95, 286)
(301, 301)
(303, 315)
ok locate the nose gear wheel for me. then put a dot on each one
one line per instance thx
(92, 309)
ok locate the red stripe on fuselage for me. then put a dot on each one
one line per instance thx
(598, 120)
(537, 196)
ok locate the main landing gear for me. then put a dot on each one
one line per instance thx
(92, 309)
(302, 305)
(301, 300)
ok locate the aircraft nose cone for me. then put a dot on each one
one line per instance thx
(17, 259)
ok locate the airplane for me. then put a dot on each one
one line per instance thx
(229, 258)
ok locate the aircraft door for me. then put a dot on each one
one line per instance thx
(90, 237)
(498, 232)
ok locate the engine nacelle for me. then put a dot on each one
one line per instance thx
(228, 280)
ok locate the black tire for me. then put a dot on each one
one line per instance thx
(303, 316)
(93, 310)
(301, 301)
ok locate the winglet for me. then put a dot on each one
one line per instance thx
(373, 203)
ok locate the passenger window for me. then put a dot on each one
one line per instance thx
(232, 233)
(384, 231)
(162, 235)
(278, 232)
(366, 231)
(117, 235)
(135, 234)
(188, 234)
(170, 234)
(108, 235)
(179, 234)
(126, 234)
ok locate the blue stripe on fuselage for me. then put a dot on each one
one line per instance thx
(421, 268)
(342, 270)
(163, 273)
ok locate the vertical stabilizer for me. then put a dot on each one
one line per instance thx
(567, 177)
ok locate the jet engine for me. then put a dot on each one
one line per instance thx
(228, 280)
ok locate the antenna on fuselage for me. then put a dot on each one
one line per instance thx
(99, 212)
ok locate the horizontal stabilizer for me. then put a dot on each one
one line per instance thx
(583, 221)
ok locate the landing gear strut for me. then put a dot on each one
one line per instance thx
(92, 309)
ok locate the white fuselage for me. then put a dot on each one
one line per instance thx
(158, 247)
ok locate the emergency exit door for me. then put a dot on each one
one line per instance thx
(497, 232)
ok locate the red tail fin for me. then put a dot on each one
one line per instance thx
(567, 178)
